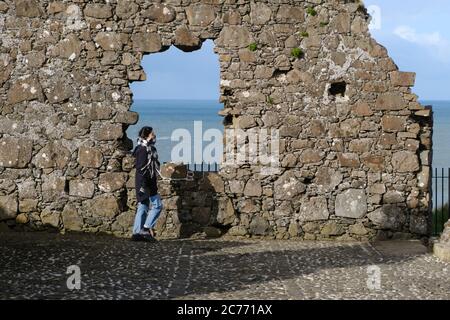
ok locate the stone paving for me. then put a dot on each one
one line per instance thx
(34, 265)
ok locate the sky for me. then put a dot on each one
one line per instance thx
(174, 75)
(415, 32)
(417, 36)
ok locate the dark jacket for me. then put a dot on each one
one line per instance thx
(146, 186)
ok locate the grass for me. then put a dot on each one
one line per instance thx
(440, 217)
(311, 11)
(297, 53)
(304, 34)
(252, 46)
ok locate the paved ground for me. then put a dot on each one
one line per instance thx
(34, 265)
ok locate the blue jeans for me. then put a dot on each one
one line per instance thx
(147, 219)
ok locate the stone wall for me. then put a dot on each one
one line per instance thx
(355, 143)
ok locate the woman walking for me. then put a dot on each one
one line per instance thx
(147, 169)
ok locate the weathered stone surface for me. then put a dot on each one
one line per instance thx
(106, 206)
(126, 8)
(423, 178)
(28, 8)
(388, 217)
(237, 231)
(98, 11)
(390, 101)
(393, 123)
(53, 188)
(362, 109)
(290, 14)
(35, 59)
(124, 222)
(50, 218)
(81, 188)
(109, 132)
(226, 214)
(288, 186)
(201, 215)
(311, 156)
(147, 42)
(15, 153)
(361, 145)
(26, 89)
(109, 41)
(327, 179)
(22, 218)
(260, 13)
(316, 208)
(90, 157)
(200, 15)
(393, 196)
(332, 228)
(405, 161)
(28, 205)
(174, 171)
(352, 203)
(341, 23)
(160, 13)
(232, 17)
(216, 182)
(72, 221)
(186, 41)
(358, 229)
(235, 37)
(69, 48)
(8, 207)
(374, 163)
(259, 226)
(253, 188)
(112, 181)
(127, 117)
(348, 160)
(59, 92)
(403, 79)
(53, 155)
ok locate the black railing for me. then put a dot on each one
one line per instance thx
(203, 167)
(441, 195)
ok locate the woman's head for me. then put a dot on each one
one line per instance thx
(147, 133)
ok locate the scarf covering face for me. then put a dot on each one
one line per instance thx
(153, 164)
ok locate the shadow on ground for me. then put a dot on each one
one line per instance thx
(34, 265)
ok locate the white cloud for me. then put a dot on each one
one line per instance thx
(438, 45)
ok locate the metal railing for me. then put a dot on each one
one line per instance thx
(203, 167)
(441, 197)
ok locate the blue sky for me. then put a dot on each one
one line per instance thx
(175, 74)
(416, 34)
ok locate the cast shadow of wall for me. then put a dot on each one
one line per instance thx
(191, 204)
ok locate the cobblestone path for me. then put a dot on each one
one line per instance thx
(34, 265)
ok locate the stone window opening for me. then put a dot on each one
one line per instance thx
(183, 84)
(338, 89)
(228, 120)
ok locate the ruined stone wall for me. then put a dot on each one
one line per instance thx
(355, 143)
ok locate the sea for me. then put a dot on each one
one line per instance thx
(166, 116)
